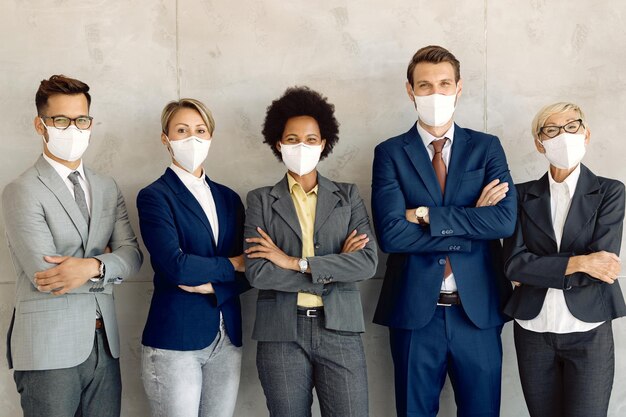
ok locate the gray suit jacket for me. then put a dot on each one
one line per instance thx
(41, 218)
(334, 275)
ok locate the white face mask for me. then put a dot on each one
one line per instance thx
(301, 159)
(67, 144)
(435, 109)
(191, 152)
(566, 150)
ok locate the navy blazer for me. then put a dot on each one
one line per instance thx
(403, 178)
(594, 223)
(182, 250)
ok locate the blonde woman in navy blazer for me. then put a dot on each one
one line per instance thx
(193, 229)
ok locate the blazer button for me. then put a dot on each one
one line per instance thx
(442, 261)
(317, 246)
(443, 232)
(320, 280)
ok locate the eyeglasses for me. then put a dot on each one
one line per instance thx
(63, 122)
(553, 131)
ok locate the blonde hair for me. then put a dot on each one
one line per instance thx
(551, 109)
(189, 103)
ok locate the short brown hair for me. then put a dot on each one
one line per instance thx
(59, 84)
(189, 103)
(435, 55)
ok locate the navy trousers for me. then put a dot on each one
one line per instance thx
(449, 344)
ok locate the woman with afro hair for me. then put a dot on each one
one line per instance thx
(308, 243)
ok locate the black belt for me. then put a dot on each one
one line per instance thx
(449, 299)
(311, 312)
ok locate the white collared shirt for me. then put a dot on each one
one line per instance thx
(64, 173)
(554, 316)
(448, 284)
(202, 192)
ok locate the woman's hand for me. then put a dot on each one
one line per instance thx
(266, 248)
(354, 242)
(492, 193)
(199, 289)
(604, 266)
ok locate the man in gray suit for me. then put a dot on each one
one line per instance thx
(70, 239)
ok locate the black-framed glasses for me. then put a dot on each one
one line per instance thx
(553, 131)
(63, 122)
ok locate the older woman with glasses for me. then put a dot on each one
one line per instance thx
(193, 229)
(308, 244)
(563, 260)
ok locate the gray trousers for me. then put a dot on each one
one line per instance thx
(566, 375)
(331, 361)
(91, 389)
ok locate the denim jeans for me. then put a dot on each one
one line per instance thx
(330, 361)
(197, 383)
(91, 389)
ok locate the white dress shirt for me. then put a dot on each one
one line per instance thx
(64, 173)
(202, 192)
(448, 284)
(554, 316)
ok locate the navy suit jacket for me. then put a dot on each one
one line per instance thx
(182, 250)
(403, 178)
(594, 223)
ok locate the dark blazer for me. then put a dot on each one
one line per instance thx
(403, 178)
(594, 223)
(182, 249)
(333, 276)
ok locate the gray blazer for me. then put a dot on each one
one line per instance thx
(41, 218)
(334, 275)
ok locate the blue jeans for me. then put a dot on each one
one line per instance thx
(91, 389)
(197, 383)
(331, 361)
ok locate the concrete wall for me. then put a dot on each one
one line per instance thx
(238, 56)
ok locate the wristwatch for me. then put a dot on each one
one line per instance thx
(420, 213)
(303, 264)
(100, 276)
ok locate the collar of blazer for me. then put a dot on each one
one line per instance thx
(51, 179)
(184, 195)
(326, 202)
(418, 155)
(585, 202)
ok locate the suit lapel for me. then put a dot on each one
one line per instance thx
(584, 205)
(537, 207)
(188, 200)
(461, 147)
(51, 179)
(418, 155)
(222, 213)
(283, 206)
(326, 201)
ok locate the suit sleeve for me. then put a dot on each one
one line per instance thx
(549, 271)
(224, 291)
(28, 235)
(481, 223)
(125, 258)
(395, 233)
(353, 266)
(263, 274)
(160, 236)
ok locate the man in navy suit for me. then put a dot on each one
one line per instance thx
(441, 201)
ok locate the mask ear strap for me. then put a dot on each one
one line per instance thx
(169, 146)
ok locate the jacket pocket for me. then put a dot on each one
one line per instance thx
(44, 304)
(472, 175)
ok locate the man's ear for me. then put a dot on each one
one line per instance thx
(459, 87)
(409, 91)
(39, 127)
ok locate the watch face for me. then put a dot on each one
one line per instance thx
(303, 264)
(421, 211)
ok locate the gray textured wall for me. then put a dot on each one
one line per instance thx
(238, 56)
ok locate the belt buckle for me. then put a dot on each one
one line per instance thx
(311, 313)
(447, 292)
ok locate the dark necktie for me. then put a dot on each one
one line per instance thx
(440, 170)
(79, 195)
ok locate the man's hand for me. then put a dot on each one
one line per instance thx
(199, 289)
(266, 248)
(354, 242)
(238, 263)
(604, 266)
(69, 273)
(492, 193)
